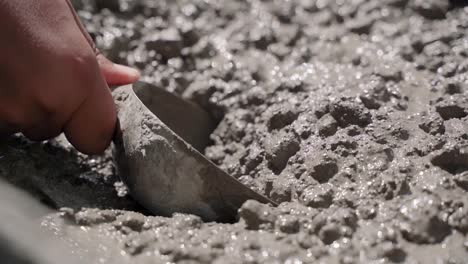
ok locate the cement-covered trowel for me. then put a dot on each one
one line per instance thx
(157, 150)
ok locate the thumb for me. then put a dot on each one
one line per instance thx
(116, 74)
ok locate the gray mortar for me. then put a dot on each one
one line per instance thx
(351, 114)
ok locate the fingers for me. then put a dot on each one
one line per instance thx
(92, 125)
(116, 74)
(42, 131)
(7, 129)
(90, 128)
(56, 81)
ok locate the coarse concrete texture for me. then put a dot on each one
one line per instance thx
(353, 115)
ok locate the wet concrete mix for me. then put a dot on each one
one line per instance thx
(352, 115)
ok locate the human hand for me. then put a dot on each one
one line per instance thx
(52, 79)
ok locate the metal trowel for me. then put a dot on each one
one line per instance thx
(158, 154)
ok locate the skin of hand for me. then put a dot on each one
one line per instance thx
(52, 79)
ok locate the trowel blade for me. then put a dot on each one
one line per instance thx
(159, 158)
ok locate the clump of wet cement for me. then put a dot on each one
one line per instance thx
(352, 115)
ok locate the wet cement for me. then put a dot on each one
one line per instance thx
(353, 115)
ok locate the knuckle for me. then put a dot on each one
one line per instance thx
(47, 105)
(7, 128)
(13, 119)
(34, 136)
(82, 62)
(35, 123)
(43, 131)
(83, 66)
